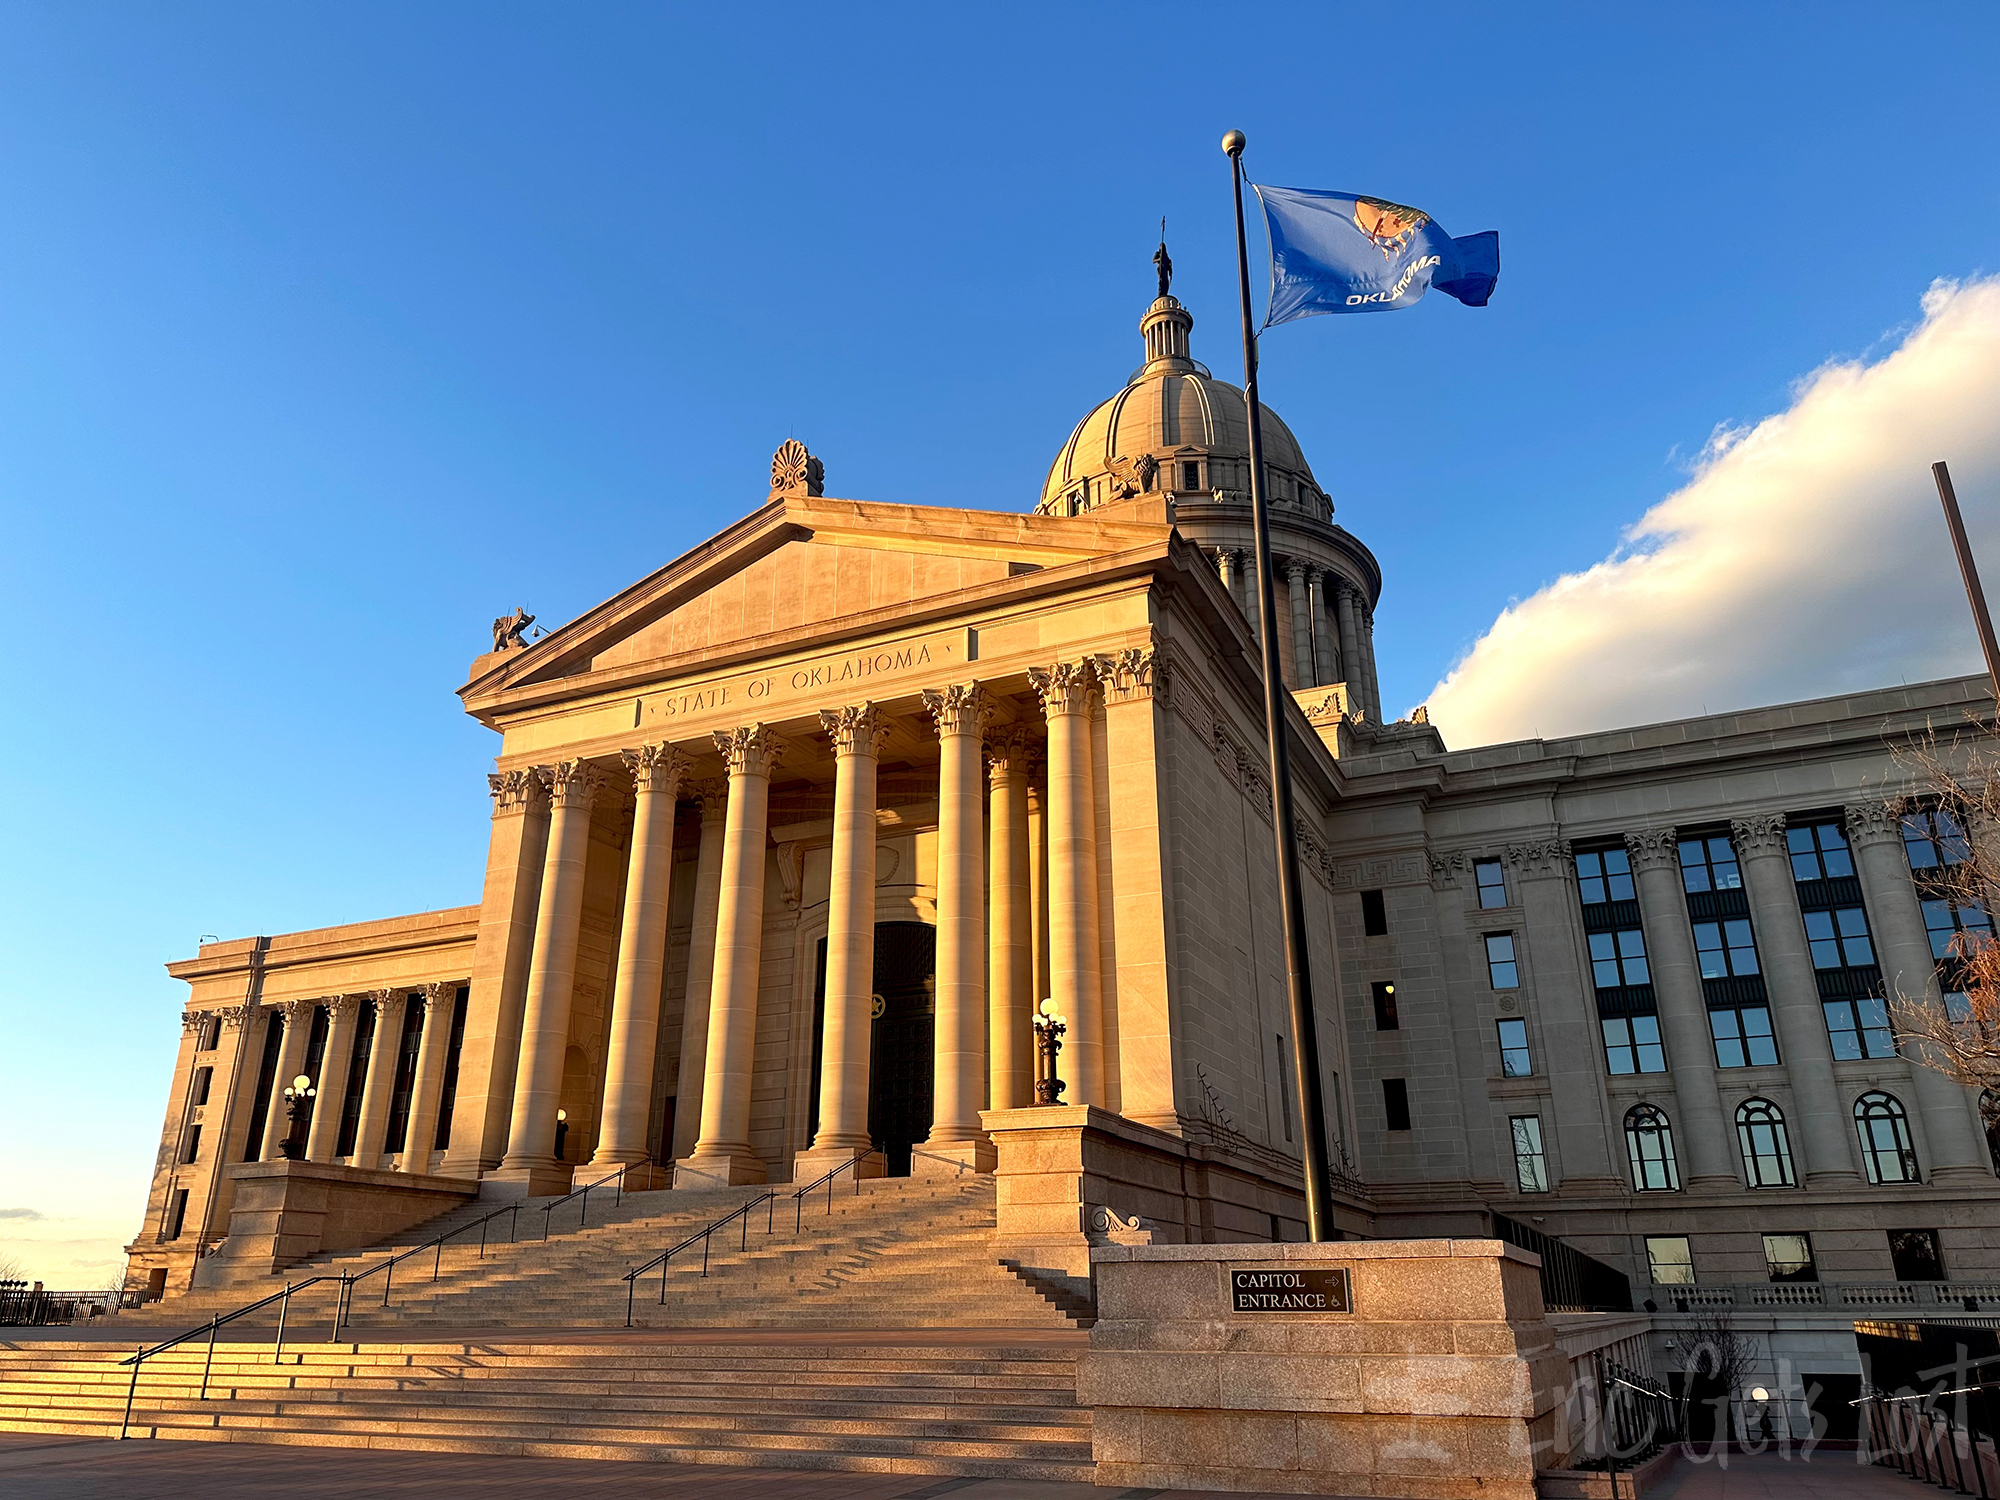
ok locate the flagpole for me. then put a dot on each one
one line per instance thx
(1291, 904)
(1969, 570)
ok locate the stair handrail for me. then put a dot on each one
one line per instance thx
(215, 1324)
(701, 1237)
(436, 1242)
(825, 1179)
(954, 1161)
(584, 1192)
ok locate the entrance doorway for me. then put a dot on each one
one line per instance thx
(899, 1060)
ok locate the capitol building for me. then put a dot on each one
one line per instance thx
(792, 839)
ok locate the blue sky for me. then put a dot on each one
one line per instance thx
(327, 333)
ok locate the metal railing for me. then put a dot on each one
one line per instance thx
(1571, 1280)
(1916, 1435)
(1856, 1296)
(583, 1194)
(741, 1216)
(24, 1306)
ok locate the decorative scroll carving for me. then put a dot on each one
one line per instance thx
(1007, 751)
(858, 730)
(1445, 869)
(1759, 835)
(1546, 857)
(296, 1012)
(387, 1005)
(964, 708)
(795, 471)
(1874, 823)
(572, 783)
(711, 794)
(515, 791)
(1135, 672)
(1654, 849)
(1064, 688)
(656, 769)
(753, 750)
(1102, 1226)
(194, 1022)
(339, 1007)
(792, 872)
(1331, 708)
(436, 995)
(233, 1016)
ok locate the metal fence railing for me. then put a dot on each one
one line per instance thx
(1571, 1280)
(23, 1306)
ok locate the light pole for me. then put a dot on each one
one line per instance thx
(299, 1094)
(1049, 1030)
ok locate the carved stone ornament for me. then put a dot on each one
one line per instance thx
(753, 750)
(656, 769)
(515, 791)
(438, 993)
(1331, 708)
(795, 471)
(1127, 477)
(1007, 752)
(1135, 672)
(573, 783)
(1066, 687)
(194, 1022)
(341, 1007)
(233, 1016)
(710, 794)
(792, 873)
(387, 1005)
(1760, 835)
(963, 708)
(1103, 1226)
(1875, 823)
(1654, 849)
(1445, 869)
(296, 1012)
(856, 730)
(1545, 857)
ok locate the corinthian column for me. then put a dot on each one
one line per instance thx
(857, 734)
(379, 1084)
(1326, 655)
(427, 1089)
(343, 1014)
(1826, 1131)
(1010, 967)
(1683, 1007)
(1302, 630)
(712, 797)
(531, 1137)
(723, 1153)
(959, 1051)
(1067, 690)
(1365, 618)
(1903, 949)
(642, 958)
(1350, 648)
(291, 1057)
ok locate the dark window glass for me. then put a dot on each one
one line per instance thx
(209, 1034)
(1670, 1260)
(1649, 1142)
(176, 1215)
(191, 1148)
(203, 1077)
(1709, 865)
(1618, 959)
(1933, 839)
(1766, 1147)
(1725, 948)
(1819, 852)
(1743, 1037)
(1789, 1257)
(1374, 916)
(1885, 1138)
(451, 1076)
(1916, 1255)
(1501, 968)
(1632, 1044)
(1190, 475)
(1385, 1008)
(1514, 1059)
(267, 1079)
(1944, 920)
(1396, 1103)
(1839, 938)
(1859, 1028)
(1491, 876)
(1605, 875)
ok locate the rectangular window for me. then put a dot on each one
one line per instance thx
(176, 1215)
(1670, 1260)
(1618, 959)
(1396, 1103)
(1944, 920)
(1789, 1257)
(1859, 1028)
(1385, 1007)
(198, 1091)
(1933, 840)
(209, 1034)
(1839, 938)
(191, 1148)
(1190, 474)
(1819, 852)
(1915, 1254)
(1605, 875)
(1743, 1037)
(1632, 1044)
(1491, 876)
(1284, 1087)
(1501, 969)
(1709, 865)
(1725, 949)
(1531, 1166)
(1514, 1059)
(1374, 916)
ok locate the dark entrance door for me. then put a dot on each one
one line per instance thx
(899, 1064)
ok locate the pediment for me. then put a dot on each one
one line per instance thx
(800, 562)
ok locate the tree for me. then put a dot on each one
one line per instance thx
(1716, 1361)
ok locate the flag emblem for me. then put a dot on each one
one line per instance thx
(1391, 226)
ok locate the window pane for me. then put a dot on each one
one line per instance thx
(1757, 1037)
(1670, 1260)
(1618, 1047)
(1789, 1257)
(1694, 866)
(1652, 1057)
(1723, 1025)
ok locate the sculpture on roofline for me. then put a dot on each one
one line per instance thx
(510, 631)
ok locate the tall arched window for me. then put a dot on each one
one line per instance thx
(1885, 1138)
(1649, 1140)
(1767, 1152)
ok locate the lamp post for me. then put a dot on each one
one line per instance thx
(299, 1094)
(562, 1131)
(1049, 1031)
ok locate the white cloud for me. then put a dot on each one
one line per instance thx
(1806, 557)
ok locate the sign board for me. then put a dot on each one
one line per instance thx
(1289, 1290)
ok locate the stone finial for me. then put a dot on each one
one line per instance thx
(795, 471)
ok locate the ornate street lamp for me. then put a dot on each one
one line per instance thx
(562, 1131)
(299, 1093)
(1049, 1030)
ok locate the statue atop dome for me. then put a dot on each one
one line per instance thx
(1163, 263)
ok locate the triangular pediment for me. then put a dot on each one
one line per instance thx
(799, 563)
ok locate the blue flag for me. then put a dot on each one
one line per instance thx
(1345, 253)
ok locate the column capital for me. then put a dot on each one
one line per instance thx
(1764, 834)
(1546, 857)
(711, 793)
(1007, 752)
(656, 770)
(857, 729)
(194, 1021)
(233, 1016)
(295, 1012)
(1135, 672)
(339, 1007)
(1292, 567)
(439, 992)
(1653, 849)
(1065, 687)
(962, 708)
(1874, 823)
(516, 792)
(753, 750)
(382, 1002)
(572, 783)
